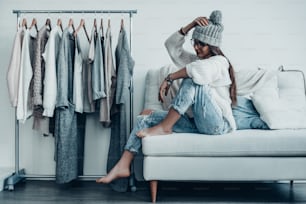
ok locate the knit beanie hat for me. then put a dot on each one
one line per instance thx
(212, 33)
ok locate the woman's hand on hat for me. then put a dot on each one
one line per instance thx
(201, 21)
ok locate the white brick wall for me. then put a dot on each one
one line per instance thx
(264, 33)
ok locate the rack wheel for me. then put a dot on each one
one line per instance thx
(133, 188)
(10, 187)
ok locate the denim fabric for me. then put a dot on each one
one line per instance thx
(207, 115)
(207, 119)
(246, 116)
(184, 124)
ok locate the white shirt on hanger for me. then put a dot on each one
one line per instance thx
(24, 108)
(50, 85)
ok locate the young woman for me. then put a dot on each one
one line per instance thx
(208, 88)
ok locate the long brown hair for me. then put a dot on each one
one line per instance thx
(233, 91)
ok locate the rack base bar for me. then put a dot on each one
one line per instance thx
(21, 176)
(36, 176)
(14, 179)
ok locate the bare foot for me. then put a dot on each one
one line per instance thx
(155, 130)
(115, 173)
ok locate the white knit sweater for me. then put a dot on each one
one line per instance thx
(212, 71)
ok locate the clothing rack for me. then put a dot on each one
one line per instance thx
(20, 174)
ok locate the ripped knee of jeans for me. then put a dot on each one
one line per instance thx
(147, 112)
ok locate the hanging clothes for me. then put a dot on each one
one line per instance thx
(98, 89)
(125, 65)
(80, 89)
(65, 117)
(80, 61)
(32, 47)
(78, 94)
(50, 57)
(89, 105)
(24, 108)
(103, 50)
(14, 68)
(40, 122)
(119, 131)
(110, 81)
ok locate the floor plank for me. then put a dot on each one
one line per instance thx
(88, 192)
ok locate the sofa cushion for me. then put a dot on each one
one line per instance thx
(281, 103)
(154, 78)
(239, 143)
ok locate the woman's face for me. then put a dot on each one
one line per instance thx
(201, 49)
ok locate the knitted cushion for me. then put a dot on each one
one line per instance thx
(281, 103)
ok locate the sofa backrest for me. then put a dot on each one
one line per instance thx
(290, 83)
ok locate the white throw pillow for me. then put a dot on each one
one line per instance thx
(281, 102)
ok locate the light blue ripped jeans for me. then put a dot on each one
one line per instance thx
(207, 116)
(246, 115)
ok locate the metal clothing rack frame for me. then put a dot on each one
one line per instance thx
(20, 174)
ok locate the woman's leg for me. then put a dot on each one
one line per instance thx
(208, 116)
(120, 170)
(164, 127)
(133, 145)
(183, 100)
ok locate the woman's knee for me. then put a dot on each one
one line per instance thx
(187, 82)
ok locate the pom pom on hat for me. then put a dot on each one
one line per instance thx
(212, 33)
(216, 17)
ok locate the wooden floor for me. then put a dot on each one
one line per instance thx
(88, 192)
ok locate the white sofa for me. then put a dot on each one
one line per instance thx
(244, 155)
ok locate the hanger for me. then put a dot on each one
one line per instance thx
(121, 24)
(59, 23)
(24, 23)
(101, 26)
(78, 28)
(82, 25)
(95, 23)
(34, 23)
(48, 23)
(70, 24)
(108, 24)
(95, 27)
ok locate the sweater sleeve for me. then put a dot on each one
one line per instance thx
(14, 68)
(179, 56)
(213, 71)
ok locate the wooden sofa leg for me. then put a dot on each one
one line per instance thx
(153, 189)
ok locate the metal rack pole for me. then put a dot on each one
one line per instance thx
(19, 175)
(132, 177)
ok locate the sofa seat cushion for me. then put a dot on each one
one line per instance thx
(287, 142)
